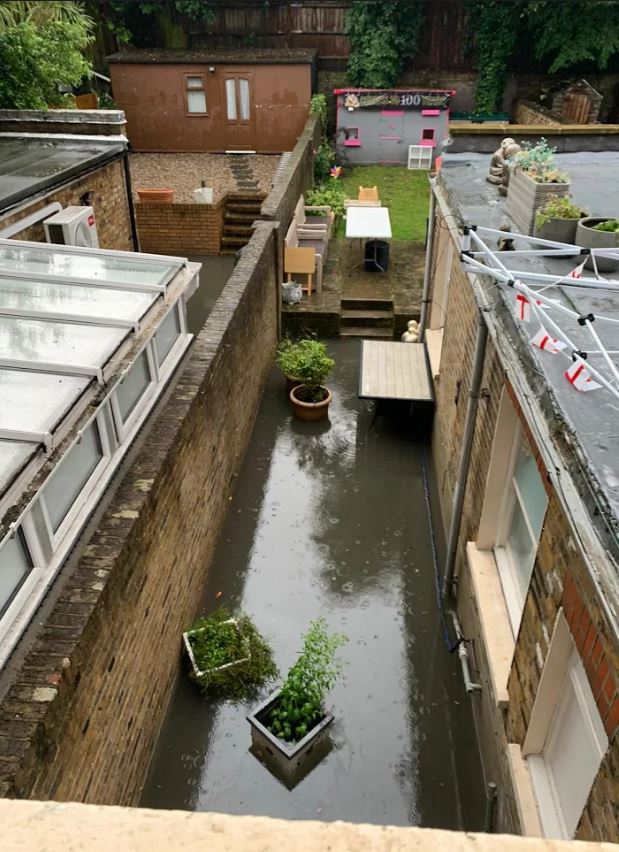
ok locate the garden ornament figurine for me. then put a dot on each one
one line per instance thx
(499, 170)
(412, 335)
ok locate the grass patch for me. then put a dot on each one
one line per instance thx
(406, 193)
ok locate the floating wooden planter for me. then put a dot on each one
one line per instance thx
(525, 196)
(158, 196)
(588, 237)
(196, 671)
(290, 762)
(309, 411)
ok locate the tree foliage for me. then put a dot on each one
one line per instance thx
(125, 18)
(41, 47)
(494, 28)
(382, 37)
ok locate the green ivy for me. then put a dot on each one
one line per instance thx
(493, 27)
(382, 37)
(586, 32)
(318, 106)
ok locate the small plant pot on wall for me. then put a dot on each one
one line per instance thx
(306, 407)
(588, 236)
(157, 196)
(525, 196)
(290, 762)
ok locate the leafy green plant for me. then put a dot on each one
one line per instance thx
(382, 37)
(558, 208)
(324, 158)
(332, 194)
(308, 361)
(300, 705)
(538, 161)
(318, 106)
(215, 643)
(609, 225)
(493, 29)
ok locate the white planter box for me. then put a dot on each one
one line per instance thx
(197, 672)
(525, 196)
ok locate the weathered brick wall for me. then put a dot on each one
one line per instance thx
(527, 112)
(82, 713)
(109, 200)
(180, 228)
(91, 122)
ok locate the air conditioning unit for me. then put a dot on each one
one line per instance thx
(73, 226)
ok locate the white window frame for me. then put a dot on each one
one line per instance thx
(201, 88)
(79, 505)
(499, 501)
(420, 157)
(562, 661)
(124, 427)
(164, 369)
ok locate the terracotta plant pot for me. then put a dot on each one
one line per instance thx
(158, 196)
(291, 383)
(309, 411)
(587, 237)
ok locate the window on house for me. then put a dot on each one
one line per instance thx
(196, 94)
(244, 98)
(133, 386)
(566, 740)
(72, 475)
(427, 134)
(15, 565)
(514, 508)
(167, 335)
(231, 99)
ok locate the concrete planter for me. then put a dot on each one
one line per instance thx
(200, 673)
(309, 411)
(290, 762)
(525, 196)
(587, 237)
(559, 231)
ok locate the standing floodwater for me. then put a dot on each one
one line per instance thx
(331, 520)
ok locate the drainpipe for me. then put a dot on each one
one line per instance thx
(465, 456)
(464, 657)
(491, 797)
(32, 219)
(425, 301)
(134, 227)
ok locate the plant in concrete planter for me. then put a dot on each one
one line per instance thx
(228, 655)
(310, 364)
(293, 721)
(535, 179)
(557, 220)
(592, 232)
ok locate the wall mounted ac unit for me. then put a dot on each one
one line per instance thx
(73, 226)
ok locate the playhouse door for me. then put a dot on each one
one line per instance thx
(390, 136)
(238, 111)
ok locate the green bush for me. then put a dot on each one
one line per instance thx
(323, 160)
(538, 161)
(609, 225)
(318, 106)
(332, 194)
(558, 208)
(301, 701)
(308, 361)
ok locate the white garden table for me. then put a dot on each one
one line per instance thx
(368, 223)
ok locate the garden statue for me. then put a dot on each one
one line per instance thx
(499, 169)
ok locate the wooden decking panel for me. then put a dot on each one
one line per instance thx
(392, 370)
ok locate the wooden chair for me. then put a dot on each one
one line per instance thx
(368, 193)
(354, 202)
(303, 261)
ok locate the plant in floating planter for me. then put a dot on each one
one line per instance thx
(535, 179)
(228, 655)
(310, 364)
(557, 220)
(598, 232)
(292, 724)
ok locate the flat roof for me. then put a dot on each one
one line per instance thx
(250, 56)
(592, 419)
(31, 163)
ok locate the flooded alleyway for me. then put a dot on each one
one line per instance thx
(331, 520)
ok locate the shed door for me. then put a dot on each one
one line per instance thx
(238, 111)
(390, 136)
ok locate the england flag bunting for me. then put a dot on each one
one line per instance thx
(577, 273)
(544, 341)
(578, 376)
(523, 307)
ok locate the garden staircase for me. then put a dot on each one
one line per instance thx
(241, 210)
(367, 318)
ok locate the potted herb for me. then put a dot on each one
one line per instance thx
(557, 220)
(310, 364)
(597, 232)
(535, 179)
(293, 722)
(228, 656)
(287, 361)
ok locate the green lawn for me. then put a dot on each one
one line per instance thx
(406, 194)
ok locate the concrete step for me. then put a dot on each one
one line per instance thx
(363, 331)
(235, 241)
(240, 230)
(251, 208)
(239, 218)
(370, 319)
(366, 304)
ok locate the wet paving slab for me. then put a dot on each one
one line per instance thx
(330, 520)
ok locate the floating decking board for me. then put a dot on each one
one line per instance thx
(391, 370)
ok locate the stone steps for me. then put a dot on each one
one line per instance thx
(366, 317)
(362, 331)
(240, 212)
(360, 304)
(376, 319)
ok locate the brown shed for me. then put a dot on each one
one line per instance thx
(214, 101)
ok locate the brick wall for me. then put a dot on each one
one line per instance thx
(180, 228)
(90, 122)
(86, 699)
(109, 200)
(527, 112)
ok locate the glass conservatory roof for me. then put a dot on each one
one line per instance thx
(64, 312)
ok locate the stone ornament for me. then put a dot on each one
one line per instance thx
(499, 168)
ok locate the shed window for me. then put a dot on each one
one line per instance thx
(71, 476)
(231, 99)
(244, 98)
(15, 565)
(196, 95)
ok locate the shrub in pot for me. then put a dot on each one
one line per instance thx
(228, 656)
(535, 179)
(287, 360)
(293, 722)
(310, 363)
(598, 232)
(557, 220)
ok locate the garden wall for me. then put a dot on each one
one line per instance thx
(527, 112)
(180, 228)
(85, 694)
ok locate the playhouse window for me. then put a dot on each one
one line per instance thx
(428, 134)
(196, 95)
